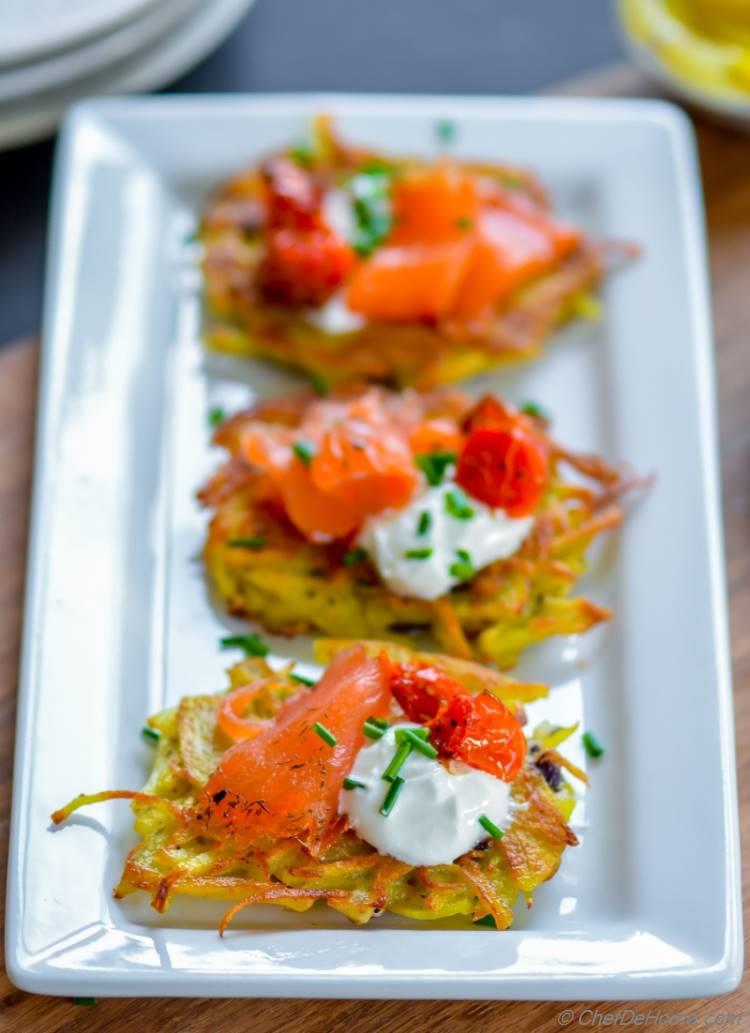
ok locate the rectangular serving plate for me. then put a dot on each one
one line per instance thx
(119, 622)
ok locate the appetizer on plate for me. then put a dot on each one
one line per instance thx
(399, 782)
(370, 514)
(353, 265)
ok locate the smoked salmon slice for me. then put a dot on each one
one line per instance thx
(345, 462)
(455, 251)
(285, 782)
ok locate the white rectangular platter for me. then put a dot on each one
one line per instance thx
(119, 623)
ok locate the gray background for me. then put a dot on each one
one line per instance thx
(429, 46)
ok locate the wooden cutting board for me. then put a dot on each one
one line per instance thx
(725, 160)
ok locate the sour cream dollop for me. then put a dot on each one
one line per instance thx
(436, 816)
(488, 535)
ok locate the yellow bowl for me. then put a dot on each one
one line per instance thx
(698, 49)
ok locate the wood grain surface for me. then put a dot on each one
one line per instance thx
(726, 168)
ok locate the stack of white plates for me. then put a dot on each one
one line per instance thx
(52, 52)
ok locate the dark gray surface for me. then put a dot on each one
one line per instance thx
(428, 46)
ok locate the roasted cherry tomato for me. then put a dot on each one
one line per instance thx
(505, 467)
(476, 729)
(305, 260)
(293, 199)
(488, 412)
(304, 267)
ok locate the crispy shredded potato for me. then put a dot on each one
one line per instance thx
(174, 855)
(292, 586)
(414, 354)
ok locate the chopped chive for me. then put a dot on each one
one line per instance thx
(252, 645)
(85, 1002)
(303, 679)
(324, 734)
(463, 568)
(463, 222)
(532, 409)
(150, 733)
(391, 796)
(423, 733)
(304, 450)
(397, 762)
(372, 209)
(320, 384)
(418, 554)
(256, 542)
(418, 742)
(379, 721)
(457, 505)
(434, 465)
(353, 557)
(302, 153)
(216, 415)
(488, 920)
(445, 130)
(489, 826)
(591, 745)
(372, 730)
(352, 783)
(425, 522)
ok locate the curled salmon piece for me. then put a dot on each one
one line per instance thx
(345, 461)
(285, 781)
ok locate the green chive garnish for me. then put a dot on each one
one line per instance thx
(489, 826)
(252, 645)
(150, 733)
(216, 416)
(418, 741)
(304, 450)
(352, 783)
(353, 557)
(303, 679)
(488, 920)
(256, 542)
(463, 568)
(320, 384)
(379, 721)
(463, 222)
(532, 409)
(324, 734)
(591, 745)
(445, 130)
(372, 209)
(302, 153)
(397, 762)
(373, 730)
(391, 796)
(434, 465)
(425, 522)
(457, 505)
(418, 554)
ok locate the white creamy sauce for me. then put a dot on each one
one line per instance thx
(489, 535)
(436, 816)
(334, 317)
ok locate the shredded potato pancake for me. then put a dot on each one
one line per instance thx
(261, 567)
(176, 855)
(425, 350)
